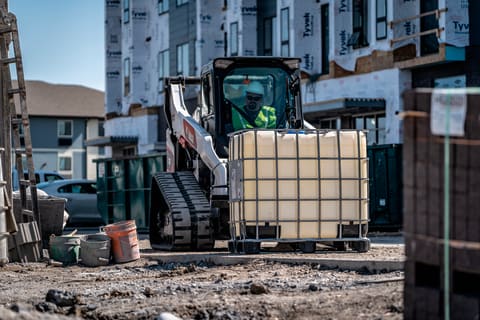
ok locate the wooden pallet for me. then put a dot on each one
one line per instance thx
(252, 246)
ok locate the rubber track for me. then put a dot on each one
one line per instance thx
(190, 210)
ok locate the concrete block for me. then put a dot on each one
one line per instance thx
(459, 181)
(473, 228)
(435, 176)
(29, 252)
(409, 209)
(461, 156)
(27, 233)
(464, 307)
(28, 240)
(474, 155)
(409, 300)
(409, 270)
(421, 211)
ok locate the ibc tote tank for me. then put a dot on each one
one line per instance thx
(300, 184)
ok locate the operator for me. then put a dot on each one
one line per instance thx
(254, 114)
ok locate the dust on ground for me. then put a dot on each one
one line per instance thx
(258, 288)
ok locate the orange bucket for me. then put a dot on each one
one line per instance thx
(124, 240)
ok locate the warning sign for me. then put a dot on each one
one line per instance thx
(448, 112)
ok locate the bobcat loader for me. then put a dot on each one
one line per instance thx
(274, 179)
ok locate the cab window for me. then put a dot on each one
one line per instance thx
(270, 81)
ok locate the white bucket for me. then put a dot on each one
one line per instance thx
(95, 250)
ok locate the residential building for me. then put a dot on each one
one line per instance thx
(147, 40)
(358, 58)
(62, 117)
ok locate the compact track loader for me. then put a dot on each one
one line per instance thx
(214, 187)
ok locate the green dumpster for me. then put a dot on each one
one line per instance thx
(385, 174)
(123, 187)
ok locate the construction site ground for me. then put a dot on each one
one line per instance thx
(214, 285)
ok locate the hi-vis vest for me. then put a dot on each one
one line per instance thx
(266, 118)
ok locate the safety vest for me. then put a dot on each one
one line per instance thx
(266, 118)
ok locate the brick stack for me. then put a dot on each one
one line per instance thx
(423, 178)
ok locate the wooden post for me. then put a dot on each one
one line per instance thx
(6, 134)
(4, 5)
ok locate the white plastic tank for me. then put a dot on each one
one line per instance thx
(306, 183)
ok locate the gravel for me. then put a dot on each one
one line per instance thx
(256, 288)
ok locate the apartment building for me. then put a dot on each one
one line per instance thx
(62, 117)
(147, 40)
(377, 50)
(358, 58)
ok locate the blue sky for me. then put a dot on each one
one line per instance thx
(62, 41)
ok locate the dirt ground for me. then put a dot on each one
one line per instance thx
(298, 286)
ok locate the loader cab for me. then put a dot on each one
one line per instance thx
(242, 93)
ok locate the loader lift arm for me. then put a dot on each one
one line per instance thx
(180, 212)
(191, 135)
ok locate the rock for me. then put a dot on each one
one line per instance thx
(7, 314)
(120, 293)
(91, 307)
(46, 307)
(61, 298)
(312, 287)
(15, 307)
(395, 308)
(20, 308)
(202, 315)
(191, 268)
(224, 315)
(75, 311)
(148, 292)
(257, 288)
(167, 316)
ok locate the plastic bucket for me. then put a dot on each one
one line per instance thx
(65, 248)
(95, 250)
(124, 240)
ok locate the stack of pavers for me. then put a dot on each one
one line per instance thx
(423, 180)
